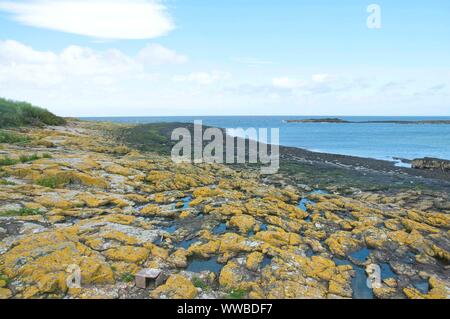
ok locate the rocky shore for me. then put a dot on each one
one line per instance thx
(73, 196)
(431, 164)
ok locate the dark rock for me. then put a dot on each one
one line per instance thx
(431, 163)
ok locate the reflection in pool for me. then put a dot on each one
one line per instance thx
(387, 272)
(361, 255)
(187, 243)
(423, 286)
(266, 261)
(220, 229)
(359, 282)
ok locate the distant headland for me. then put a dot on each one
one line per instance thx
(341, 121)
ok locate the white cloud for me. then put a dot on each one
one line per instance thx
(203, 78)
(21, 63)
(77, 60)
(286, 83)
(320, 78)
(82, 81)
(251, 61)
(106, 19)
(156, 54)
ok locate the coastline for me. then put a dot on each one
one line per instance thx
(96, 196)
(334, 138)
(380, 170)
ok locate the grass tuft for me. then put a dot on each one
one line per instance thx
(5, 279)
(127, 277)
(12, 138)
(199, 283)
(30, 158)
(52, 182)
(5, 182)
(237, 294)
(7, 161)
(20, 212)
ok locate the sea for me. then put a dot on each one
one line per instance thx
(383, 141)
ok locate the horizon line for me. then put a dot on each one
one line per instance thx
(259, 115)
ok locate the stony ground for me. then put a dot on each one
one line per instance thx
(216, 232)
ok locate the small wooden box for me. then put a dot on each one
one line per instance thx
(149, 278)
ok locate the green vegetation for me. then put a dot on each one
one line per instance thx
(4, 279)
(20, 212)
(7, 161)
(149, 137)
(52, 182)
(14, 114)
(5, 182)
(199, 283)
(127, 277)
(30, 158)
(237, 294)
(12, 138)
(154, 137)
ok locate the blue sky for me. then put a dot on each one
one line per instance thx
(234, 57)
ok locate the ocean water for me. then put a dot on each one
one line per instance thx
(380, 141)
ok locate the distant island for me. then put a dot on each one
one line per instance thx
(341, 121)
(323, 120)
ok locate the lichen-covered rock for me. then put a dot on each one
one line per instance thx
(230, 276)
(176, 287)
(278, 238)
(130, 254)
(5, 293)
(42, 260)
(157, 251)
(341, 243)
(179, 258)
(151, 210)
(384, 292)
(205, 250)
(102, 207)
(244, 223)
(253, 260)
(438, 291)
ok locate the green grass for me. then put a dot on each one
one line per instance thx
(15, 114)
(127, 277)
(237, 294)
(7, 161)
(5, 182)
(20, 212)
(28, 158)
(4, 278)
(51, 182)
(12, 138)
(199, 283)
